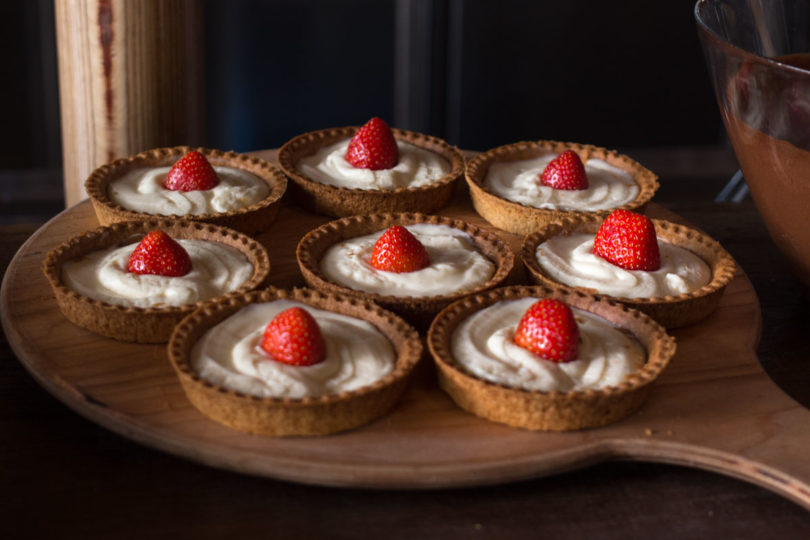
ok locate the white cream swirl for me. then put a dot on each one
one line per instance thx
(570, 260)
(230, 355)
(484, 345)
(455, 264)
(518, 181)
(142, 190)
(416, 167)
(216, 269)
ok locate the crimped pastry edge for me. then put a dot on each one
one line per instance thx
(549, 411)
(341, 201)
(250, 219)
(135, 324)
(308, 416)
(417, 310)
(672, 311)
(521, 219)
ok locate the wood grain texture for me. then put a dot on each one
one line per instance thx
(713, 408)
(129, 80)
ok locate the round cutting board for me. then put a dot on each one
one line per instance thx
(713, 408)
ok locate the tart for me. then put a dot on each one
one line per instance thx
(290, 416)
(340, 201)
(671, 310)
(144, 324)
(249, 215)
(418, 309)
(548, 410)
(525, 160)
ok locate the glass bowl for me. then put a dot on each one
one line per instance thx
(758, 54)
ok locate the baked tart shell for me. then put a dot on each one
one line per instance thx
(136, 324)
(309, 416)
(340, 201)
(671, 311)
(249, 220)
(549, 411)
(419, 311)
(522, 219)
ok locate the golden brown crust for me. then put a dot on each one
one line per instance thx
(250, 220)
(521, 219)
(287, 416)
(134, 324)
(339, 201)
(671, 311)
(419, 311)
(554, 411)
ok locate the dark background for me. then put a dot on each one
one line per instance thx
(478, 73)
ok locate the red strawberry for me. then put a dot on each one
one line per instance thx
(548, 329)
(373, 147)
(192, 172)
(159, 254)
(293, 337)
(628, 240)
(397, 250)
(565, 171)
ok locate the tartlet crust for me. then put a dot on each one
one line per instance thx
(520, 219)
(250, 220)
(549, 411)
(419, 311)
(309, 416)
(135, 324)
(340, 201)
(671, 311)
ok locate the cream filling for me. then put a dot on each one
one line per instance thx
(229, 355)
(519, 181)
(142, 190)
(455, 264)
(416, 167)
(102, 275)
(484, 345)
(570, 260)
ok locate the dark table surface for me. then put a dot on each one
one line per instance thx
(61, 475)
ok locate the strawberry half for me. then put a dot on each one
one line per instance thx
(192, 172)
(628, 240)
(373, 147)
(548, 329)
(397, 250)
(293, 337)
(565, 171)
(160, 255)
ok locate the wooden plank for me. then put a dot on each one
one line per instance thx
(714, 408)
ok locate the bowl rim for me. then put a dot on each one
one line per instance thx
(722, 42)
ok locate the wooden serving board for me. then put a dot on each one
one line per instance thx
(713, 408)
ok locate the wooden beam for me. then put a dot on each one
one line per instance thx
(130, 77)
